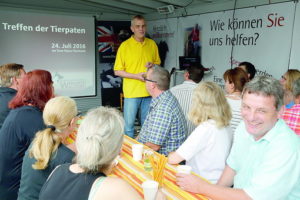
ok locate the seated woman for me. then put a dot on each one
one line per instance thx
(99, 141)
(291, 116)
(208, 146)
(48, 149)
(20, 126)
(235, 80)
(287, 80)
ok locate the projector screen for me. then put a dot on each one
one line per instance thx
(61, 44)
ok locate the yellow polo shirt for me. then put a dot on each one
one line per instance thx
(132, 57)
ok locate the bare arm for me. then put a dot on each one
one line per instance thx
(227, 176)
(123, 74)
(109, 186)
(174, 158)
(195, 184)
(155, 147)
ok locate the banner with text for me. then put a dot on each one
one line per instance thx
(163, 32)
(260, 35)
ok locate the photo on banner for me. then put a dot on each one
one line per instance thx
(186, 25)
(110, 36)
(192, 43)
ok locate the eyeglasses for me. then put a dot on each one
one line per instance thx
(282, 77)
(145, 79)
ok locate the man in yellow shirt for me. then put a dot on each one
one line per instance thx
(134, 56)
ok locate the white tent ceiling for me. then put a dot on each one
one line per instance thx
(123, 8)
(104, 6)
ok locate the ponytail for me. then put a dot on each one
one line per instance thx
(44, 145)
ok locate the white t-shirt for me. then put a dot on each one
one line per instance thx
(235, 105)
(206, 150)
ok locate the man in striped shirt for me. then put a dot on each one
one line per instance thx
(183, 92)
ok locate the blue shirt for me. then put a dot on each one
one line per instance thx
(165, 124)
(270, 167)
(32, 180)
(290, 105)
(6, 94)
(17, 131)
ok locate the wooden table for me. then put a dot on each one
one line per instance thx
(133, 172)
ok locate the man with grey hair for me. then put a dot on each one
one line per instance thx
(291, 116)
(10, 75)
(264, 162)
(164, 129)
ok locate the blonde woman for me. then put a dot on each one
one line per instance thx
(287, 81)
(47, 149)
(99, 141)
(208, 146)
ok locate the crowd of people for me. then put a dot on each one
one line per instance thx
(244, 139)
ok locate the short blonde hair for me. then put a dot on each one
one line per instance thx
(9, 71)
(209, 102)
(291, 75)
(58, 112)
(99, 139)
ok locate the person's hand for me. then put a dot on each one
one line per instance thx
(160, 195)
(141, 76)
(149, 64)
(189, 182)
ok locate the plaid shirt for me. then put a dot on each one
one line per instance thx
(292, 118)
(165, 124)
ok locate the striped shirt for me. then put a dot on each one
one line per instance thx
(235, 105)
(183, 94)
(291, 117)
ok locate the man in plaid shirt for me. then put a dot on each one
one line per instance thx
(292, 115)
(164, 129)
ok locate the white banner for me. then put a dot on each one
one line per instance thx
(164, 33)
(261, 35)
(295, 60)
(270, 28)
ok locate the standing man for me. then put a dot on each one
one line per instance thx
(10, 75)
(183, 92)
(164, 129)
(134, 56)
(264, 162)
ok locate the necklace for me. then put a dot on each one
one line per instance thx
(235, 95)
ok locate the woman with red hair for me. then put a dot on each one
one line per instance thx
(20, 126)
